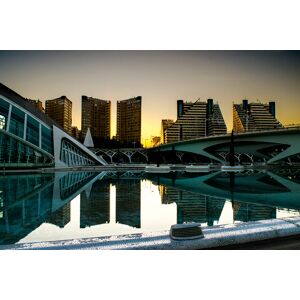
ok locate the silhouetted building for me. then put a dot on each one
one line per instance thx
(195, 120)
(94, 204)
(60, 110)
(95, 114)
(254, 116)
(129, 120)
(128, 208)
(165, 124)
(75, 132)
(38, 104)
(155, 141)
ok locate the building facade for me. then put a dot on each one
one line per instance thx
(129, 114)
(60, 110)
(196, 120)
(249, 117)
(96, 115)
(30, 139)
(165, 124)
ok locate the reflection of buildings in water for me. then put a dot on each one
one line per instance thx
(192, 207)
(256, 183)
(28, 200)
(251, 212)
(62, 216)
(94, 204)
(72, 182)
(128, 202)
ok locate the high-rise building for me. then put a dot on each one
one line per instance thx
(129, 120)
(75, 132)
(95, 114)
(60, 110)
(37, 103)
(254, 116)
(165, 124)
(215, 124)
(195, 120)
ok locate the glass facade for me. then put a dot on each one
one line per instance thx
(4, 108)
(47, 139)
(15, 153)
(33, 131)
(16, 125)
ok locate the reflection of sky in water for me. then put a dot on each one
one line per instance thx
(154, 217)
(61, 206)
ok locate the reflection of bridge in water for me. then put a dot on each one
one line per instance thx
(252, 193)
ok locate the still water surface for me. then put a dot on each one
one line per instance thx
(58, 206)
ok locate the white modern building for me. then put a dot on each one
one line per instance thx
(30, 139)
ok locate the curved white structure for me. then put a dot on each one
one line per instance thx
(196, 169)
(237, 168)
(155, 169)
(30, 139)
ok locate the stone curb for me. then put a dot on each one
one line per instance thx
(214, 237)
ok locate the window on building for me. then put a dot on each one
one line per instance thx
(16, 125)
(4, 107)
(47, 140)
(32, 134)
(2, 122)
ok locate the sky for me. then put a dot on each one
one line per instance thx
(160, 77)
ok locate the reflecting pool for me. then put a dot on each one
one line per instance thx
(59, 206)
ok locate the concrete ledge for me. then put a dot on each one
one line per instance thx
(214, 237)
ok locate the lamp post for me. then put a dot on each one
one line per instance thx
(158, 157)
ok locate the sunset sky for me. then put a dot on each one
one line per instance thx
(160, 77)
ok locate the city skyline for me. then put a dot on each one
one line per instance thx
(160, 77)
